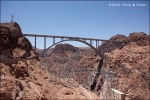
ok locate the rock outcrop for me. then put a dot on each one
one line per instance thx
(130, 62)
(12, 42)
(140, 38)
(116, 41)
(131, 65)
(62, 48)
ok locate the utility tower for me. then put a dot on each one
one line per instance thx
(12, 18)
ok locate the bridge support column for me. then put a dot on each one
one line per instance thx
(97, 44)
(62, 39)
(44, 42)
(35, 43)
(53, 40)
(90, 42)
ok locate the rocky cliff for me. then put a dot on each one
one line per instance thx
(131, 65)
(140, 38)
(12, 42)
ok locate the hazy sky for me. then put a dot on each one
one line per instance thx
(93, 19)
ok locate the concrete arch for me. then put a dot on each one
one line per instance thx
(96, 50)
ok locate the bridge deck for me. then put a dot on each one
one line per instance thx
(68, 37)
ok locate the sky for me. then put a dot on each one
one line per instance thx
(89, 19)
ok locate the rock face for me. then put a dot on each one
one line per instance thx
(140, 38)
(131, 65)
(11, 89)
(118, 37)
(111, 45)
(62, 48)
(12, 42)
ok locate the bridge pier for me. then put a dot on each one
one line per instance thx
(90, 42)
(53, 40)
(44, 42)
(97, 44)
(35, 43)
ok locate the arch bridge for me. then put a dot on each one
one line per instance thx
(109, 44)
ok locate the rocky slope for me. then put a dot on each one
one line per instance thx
(131, 65)
(140, 38)
(26, 80)
(12, 42)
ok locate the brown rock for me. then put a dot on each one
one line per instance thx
(109, 46)
(24, 44)
(17, 52)
(11, 38)
(12, 89)
(9, 32)
(61, 48)
(66, 91)
(141, 38)
(118, 37)
(131, 65)
(20, 70)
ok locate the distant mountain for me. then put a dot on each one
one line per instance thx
(62, 48)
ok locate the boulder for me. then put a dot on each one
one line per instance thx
(20, 70)
(17, 52)
(11, 89)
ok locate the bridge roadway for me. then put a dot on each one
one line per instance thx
(53, 36)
